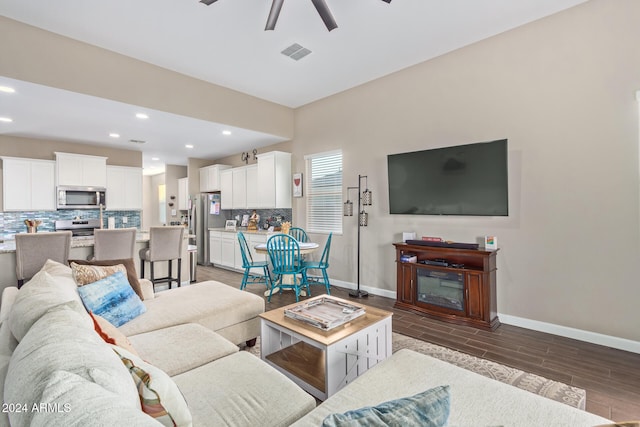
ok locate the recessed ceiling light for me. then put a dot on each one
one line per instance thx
(226, 132)
(114, 135)
(155, 159)
(7, 89)
(6, 119)
(188, 146)
(142, 116)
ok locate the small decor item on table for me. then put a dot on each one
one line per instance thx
(325, 313)
(32, 225)
(254, 219)
(284, 227)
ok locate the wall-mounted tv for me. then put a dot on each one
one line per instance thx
(462, 180)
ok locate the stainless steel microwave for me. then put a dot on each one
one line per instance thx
(81, 197)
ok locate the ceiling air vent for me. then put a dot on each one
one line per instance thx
(295, 51)
(137, 141)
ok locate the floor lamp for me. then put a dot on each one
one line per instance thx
(364, 199)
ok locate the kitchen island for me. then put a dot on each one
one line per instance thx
(82, 248)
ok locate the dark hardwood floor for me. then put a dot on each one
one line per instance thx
(611, 377)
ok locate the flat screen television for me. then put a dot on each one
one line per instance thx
(462, 180)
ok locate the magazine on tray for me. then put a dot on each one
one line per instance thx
(325, 313)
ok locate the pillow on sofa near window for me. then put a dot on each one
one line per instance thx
(113, 299)
(85, 274)
(427, 409)
(160, 397)
(110, 334)
(132, 274)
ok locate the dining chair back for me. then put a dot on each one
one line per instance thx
(284, 253)
(322, 265)
(117, 243)
(165, 244)
(299, 234)
(250, 266)
(34, 249)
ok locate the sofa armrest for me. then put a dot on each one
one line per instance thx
(8, 297)
(147, 289)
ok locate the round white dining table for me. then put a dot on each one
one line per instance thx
(305, 248)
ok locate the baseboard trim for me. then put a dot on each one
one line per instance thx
(567, 332)
(550, 328)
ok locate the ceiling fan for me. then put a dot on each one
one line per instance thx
(276, 5)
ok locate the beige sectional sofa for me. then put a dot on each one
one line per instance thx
(57, 370)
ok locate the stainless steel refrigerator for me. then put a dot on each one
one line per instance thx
(205, 214)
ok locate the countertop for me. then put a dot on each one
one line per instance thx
(9, 246)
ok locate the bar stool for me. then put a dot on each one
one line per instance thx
(165, 244)
(34, 249)
(114, 243)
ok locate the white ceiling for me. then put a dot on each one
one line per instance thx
(226, 44)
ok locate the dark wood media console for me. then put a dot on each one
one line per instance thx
(463, 294)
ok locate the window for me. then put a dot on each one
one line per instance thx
(324, 192)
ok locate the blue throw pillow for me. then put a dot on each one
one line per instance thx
(112, 298)
(427, 409)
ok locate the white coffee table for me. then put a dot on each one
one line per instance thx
(322, 362)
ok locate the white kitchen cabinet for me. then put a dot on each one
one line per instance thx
(28, 184)
(183, 194)
(124, 188)
(274, 180)
(210, 178)
(239, 188)
(228, 250)
(81, 170)
(215, 247)
(253, 196)
(226, 189)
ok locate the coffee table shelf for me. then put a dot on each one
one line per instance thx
(322, 362)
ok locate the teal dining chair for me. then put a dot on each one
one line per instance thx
(284, 253)
(249, 265)
(322, 265)
(299, 234)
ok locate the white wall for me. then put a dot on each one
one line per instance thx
(562, 90)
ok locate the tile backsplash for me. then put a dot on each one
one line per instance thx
(13, 222)
(285, 214)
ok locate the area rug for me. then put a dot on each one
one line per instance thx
(533, 383)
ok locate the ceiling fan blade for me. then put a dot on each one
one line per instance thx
(208, 2)
(387, 1)
(273, 14)
(325, 14)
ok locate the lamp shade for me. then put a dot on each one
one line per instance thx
(363, 219)
(348, 208)
(366, 197)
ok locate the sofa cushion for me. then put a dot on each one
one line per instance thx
(82, 403)
(475, 400)
(197, 346)
(85, 274)
(212, 304)
(427, 409)
(112, 298)
(159, 395)
(132, 274)
(241, 390)
(51, 286)
(63, 339)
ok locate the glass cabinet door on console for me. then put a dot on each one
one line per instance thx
(464, 294)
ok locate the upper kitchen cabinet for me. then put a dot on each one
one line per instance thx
(210, 178)
(124, 188)
(226, 189)
(274, 180)
(28, 184)
(81, 170)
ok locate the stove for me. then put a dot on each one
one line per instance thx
(78, 227)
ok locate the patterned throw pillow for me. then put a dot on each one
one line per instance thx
(85, 274)
(159, 395)
(128, 263)
(427, 409)
(110, 334)
(113, 299)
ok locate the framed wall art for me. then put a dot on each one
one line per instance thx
(297, 185)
